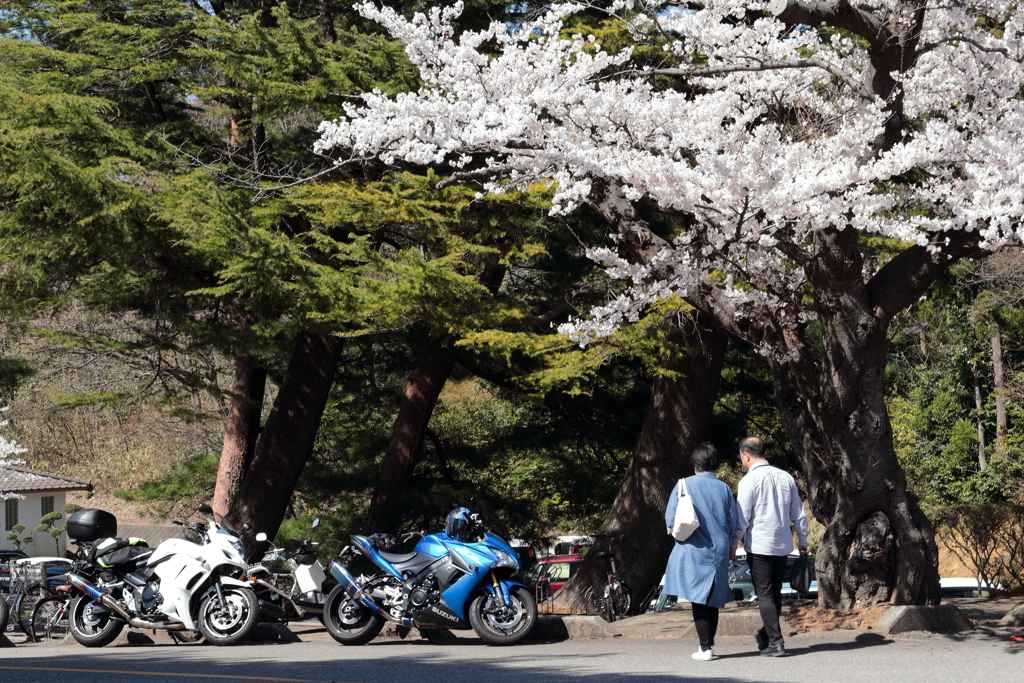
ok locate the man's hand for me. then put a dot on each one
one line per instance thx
(732, 554)
(804, 550)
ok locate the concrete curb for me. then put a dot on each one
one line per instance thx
(931, 618)
(573, 627)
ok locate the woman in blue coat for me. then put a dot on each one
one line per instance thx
(698, 569)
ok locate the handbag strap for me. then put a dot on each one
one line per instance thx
(682, 488)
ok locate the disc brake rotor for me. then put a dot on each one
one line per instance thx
(350, 612)
(505, 618)
(226, 616)
(88, 618)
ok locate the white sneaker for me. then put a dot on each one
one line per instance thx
(704, 655)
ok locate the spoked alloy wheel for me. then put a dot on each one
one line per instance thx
(348, 621)
(621, 599)
(50, 620)
(92, 624)
(500, 624)
(228, 623)
(25, 604)
(5, 613)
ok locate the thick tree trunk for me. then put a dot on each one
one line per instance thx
(677, 421)
(1000, 389)
(286, 440)
(240, 431)
(421, 392)
(878, 546)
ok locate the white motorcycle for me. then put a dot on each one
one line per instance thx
(289, 585)
(179, 586)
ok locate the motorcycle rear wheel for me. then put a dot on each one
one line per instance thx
(231, 623)
(92, 630)
(503, 625)
(348, 621)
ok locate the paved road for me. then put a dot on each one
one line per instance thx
(837, 657)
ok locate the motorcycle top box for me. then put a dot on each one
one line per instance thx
(91, 524)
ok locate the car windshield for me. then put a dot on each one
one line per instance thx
(533, 573)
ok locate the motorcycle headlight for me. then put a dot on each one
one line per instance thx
(505, 560)
(241, 550)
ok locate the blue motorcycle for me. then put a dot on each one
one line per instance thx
(458, 579)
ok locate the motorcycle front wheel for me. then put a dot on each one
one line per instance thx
(348, 621)
(499, 624)
(89, 628)
(229, 623)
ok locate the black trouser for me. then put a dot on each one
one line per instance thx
(767, 572)
(705, 619)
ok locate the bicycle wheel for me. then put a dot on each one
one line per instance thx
(621, 599)
(50, 619)
(609, 605)
(26, 601)
(5, 612)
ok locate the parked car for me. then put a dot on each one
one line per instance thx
(526, 553)
(6, 557)
(56, 568)
(742, 584)
(550, 574)
(966, 588)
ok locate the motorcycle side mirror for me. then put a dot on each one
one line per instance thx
(316, 522)
(261, 537)
(246, 527)
(205, 509)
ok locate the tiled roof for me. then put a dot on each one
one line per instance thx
(20, 479)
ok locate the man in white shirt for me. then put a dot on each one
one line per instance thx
(768, 503)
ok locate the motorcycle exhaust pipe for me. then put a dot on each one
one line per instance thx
(270, 609)
(110, 603)
(356, 592)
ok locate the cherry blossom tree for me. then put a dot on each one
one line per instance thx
(798, 137)
(8, 449)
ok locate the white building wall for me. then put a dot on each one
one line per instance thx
(30, 513)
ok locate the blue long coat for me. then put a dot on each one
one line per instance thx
(703, 558)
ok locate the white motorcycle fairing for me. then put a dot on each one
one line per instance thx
(184, 568)
(309, 577)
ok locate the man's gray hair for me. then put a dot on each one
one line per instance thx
(752, 446)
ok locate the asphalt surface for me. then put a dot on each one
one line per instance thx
(835, 657)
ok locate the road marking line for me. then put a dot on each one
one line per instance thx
(242, 677)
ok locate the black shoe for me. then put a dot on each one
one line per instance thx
(774, 651)
(762, 639)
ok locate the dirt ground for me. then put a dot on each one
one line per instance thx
(806, 617)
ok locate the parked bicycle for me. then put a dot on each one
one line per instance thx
(28, 586)
(617, 595)
(50, 616)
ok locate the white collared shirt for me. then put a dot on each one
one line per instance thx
(768, 503)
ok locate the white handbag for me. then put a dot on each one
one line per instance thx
(686, 516)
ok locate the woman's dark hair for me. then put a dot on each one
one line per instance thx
(704, 458)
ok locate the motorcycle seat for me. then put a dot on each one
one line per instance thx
(395, 558)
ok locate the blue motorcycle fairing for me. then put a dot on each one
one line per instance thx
(370, 550)
(475, 560)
